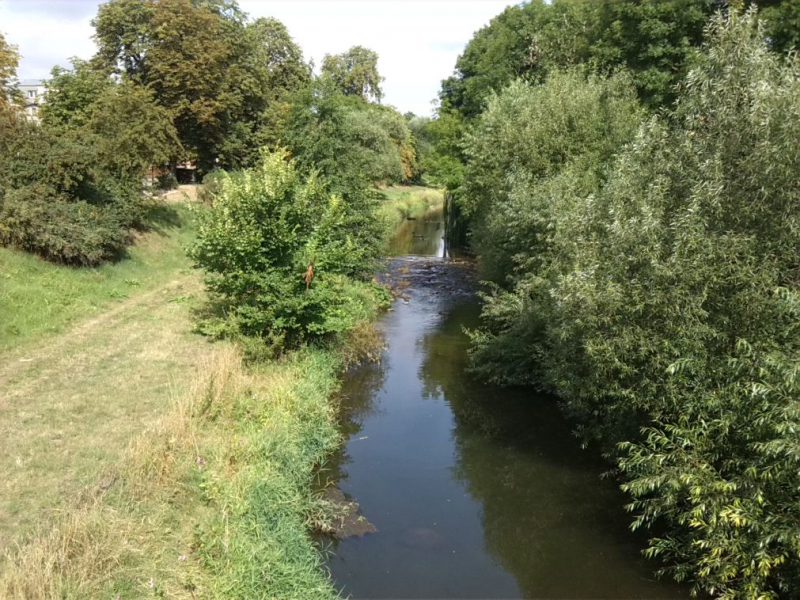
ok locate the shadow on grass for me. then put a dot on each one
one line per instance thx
(159, 217)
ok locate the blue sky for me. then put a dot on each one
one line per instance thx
(418, 40)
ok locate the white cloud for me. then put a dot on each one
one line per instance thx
(48, 33)
(417, 41)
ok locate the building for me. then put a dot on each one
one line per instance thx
(33, 92)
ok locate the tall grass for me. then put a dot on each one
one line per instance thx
(214, 501)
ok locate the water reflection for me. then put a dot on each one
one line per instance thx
(419, 237)
(547, 516)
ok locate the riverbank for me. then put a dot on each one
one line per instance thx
(196, 484)
(213, 500)
(408, 202)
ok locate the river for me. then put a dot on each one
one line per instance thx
(475, 491)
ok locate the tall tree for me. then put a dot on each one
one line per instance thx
(222, 79)
(355, 72)
(133, 132)
(267, 71)
(72, 92)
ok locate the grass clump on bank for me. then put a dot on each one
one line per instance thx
(408, 202)
(214, 501)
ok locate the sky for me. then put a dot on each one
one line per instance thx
(418, 41)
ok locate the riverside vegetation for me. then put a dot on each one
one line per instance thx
(642, 264)
(190, 472)
(626, 172)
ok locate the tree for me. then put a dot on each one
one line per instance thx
(133, 132)
(72, 92)
(351, 142)
(782, 24)
(355, 72)
(651, 38)
(223, 80)
(268, 70)
(9, 59)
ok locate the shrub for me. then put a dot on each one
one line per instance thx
(59, 202)
(265, 227)
(39, 220)
(661, 304)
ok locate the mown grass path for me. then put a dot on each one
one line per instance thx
(71, 401)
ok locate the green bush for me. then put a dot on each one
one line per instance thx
(265, 226)
(58, 202)
(39, 220)
(661, 303)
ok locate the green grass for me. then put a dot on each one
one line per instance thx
(89, 357)
(38, 298)
(142, 461)
(213, 501)
(408, 201)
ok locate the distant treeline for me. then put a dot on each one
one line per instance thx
(176, 82)
(630, 175)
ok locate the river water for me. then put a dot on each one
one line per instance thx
(475, 491)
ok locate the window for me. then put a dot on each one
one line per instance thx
(31, 93)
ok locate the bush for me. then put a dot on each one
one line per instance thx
(211, 186)
(661, 304)
(39, 220)
(265, 227)
(58, 202)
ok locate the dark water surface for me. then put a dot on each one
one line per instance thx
(476, 491)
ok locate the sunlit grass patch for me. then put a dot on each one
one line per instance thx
(408, 201)
(39, 298)
(212, 501)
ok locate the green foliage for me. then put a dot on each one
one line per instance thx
(71, 194)
(531, 146)
(133, 132)
(355, 73)
(225, 81)
(265, 227)
(71, 93)
(783, 24)
(653, 39)
(9, 60)
(442, 164)
(352, 143)
(659, 288)
(36, 219)
(496, 55)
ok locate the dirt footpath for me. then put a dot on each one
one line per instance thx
(70, 403)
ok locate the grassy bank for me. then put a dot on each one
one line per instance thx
(88, 358)
(408, 201)
(143, 461)
(38, 298)
(213, 501)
